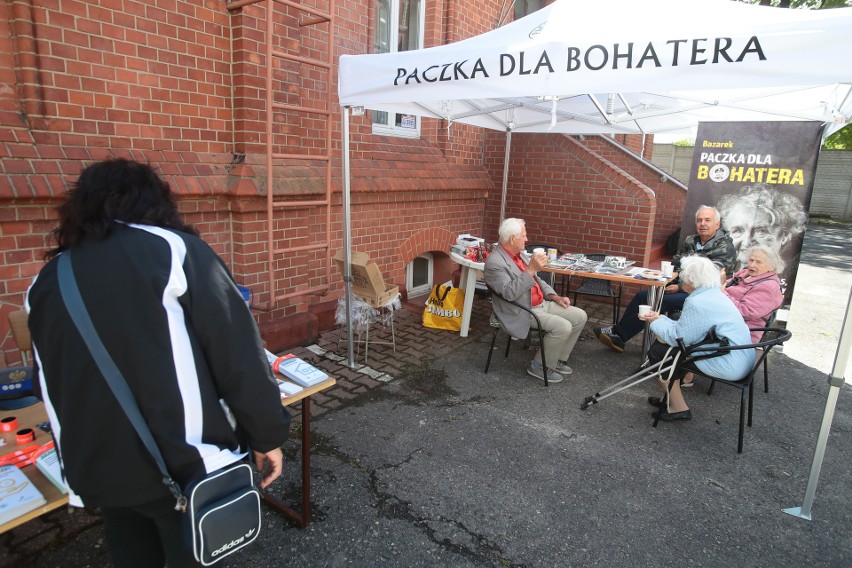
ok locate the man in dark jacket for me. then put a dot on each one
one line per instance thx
(170, 316)
(710, 241)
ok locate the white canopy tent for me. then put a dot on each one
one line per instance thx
(621, 67)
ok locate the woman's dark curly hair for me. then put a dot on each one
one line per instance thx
(110, 191)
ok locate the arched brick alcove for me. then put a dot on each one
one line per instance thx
(430, 240)
(436, 240)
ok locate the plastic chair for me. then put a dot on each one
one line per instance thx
(771, 337)
(497, 326)
(599, 287)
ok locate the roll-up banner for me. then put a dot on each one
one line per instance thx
(760, 176)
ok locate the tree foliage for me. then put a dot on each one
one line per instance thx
(840, 140)
(806, 4)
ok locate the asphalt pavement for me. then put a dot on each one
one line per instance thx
(432, 462)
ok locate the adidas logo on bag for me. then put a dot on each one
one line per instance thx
(231, 544)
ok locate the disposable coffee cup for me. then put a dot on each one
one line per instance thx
(644, 310)
(538, 250)
(551, 254)
(667, 269)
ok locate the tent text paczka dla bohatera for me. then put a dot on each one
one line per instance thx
(621, 67)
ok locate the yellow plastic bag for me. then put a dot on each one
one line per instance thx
(444, 308)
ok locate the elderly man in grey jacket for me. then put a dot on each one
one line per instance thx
(515, 280)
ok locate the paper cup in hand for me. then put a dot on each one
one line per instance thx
(538, 250)
(644, 310)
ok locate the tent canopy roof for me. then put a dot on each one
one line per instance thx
(621, 66)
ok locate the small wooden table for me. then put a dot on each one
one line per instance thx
(35, 414)
(303, 519)
(29, 417)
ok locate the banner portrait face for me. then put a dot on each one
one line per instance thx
(762, 215)
(760, 177)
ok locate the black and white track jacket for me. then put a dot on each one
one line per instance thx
(170, 315)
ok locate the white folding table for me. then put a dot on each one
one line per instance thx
(470, 272)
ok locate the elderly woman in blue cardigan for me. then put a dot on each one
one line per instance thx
(704, 308)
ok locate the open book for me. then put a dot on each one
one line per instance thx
(18, 495)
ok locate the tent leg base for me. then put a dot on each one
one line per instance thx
(797, 512)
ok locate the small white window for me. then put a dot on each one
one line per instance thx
(399, 27)
(418, 275)
(527, 7)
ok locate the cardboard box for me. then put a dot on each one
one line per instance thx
(367, 281)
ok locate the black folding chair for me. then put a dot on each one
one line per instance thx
(771, 338)
(497, 326)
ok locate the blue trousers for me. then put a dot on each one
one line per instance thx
(630, 324)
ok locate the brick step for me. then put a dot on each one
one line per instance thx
(658, 254)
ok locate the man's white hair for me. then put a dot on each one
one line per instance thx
(510, 228)
(711, 208)
(699, 272)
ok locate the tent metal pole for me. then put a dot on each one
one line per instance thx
(835, 382)
(347, 240)
(505, 174)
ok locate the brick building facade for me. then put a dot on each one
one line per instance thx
(182, 84)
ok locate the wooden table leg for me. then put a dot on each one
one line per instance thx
(306, 462)
(303, 519)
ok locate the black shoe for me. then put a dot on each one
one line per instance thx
(672, 416)
(609, 338)
(655, 401)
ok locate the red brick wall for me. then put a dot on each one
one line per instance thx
(577, 195)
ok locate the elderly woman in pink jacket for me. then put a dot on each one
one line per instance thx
(755, 291)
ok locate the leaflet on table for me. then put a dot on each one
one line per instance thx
(587, 265)
(646, 274)
(47, 462)
(18, 495)
(288, 389)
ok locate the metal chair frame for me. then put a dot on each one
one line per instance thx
(382, 315)
(771, 338)
(498, 326)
